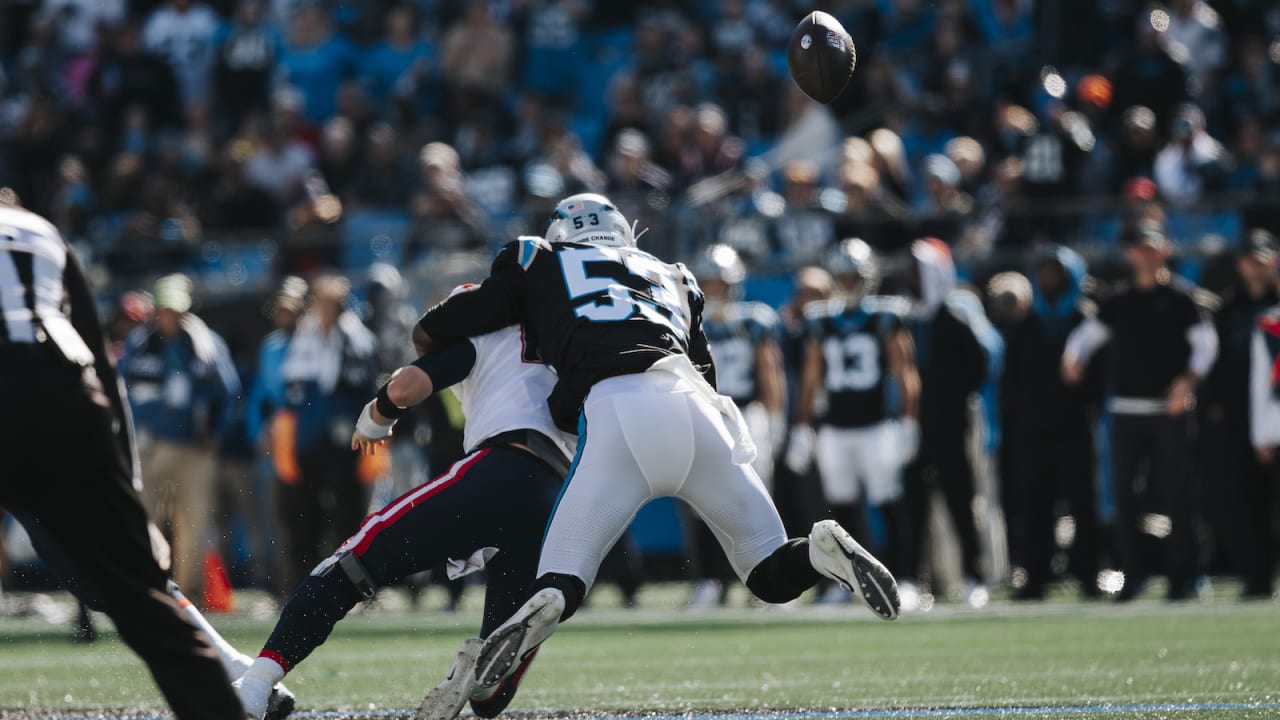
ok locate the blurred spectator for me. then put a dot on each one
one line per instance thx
(339, 154)
(1053, 426)
(446, 219)
(382, 181)
(1067, 33)
(1134, 155)
(1162, 345)
(182, 32)
(328, 372)
(806, 232)
(77, 20)
(1148, 76)
(946, 207)
(707, 149)
(316, 61)
(1239, 500)
(130, 77)
(551, 61)
(1192, 162)
(953, 366)
(1194, 38)
(627, 110)
(266, 397)
(182, 388)
(642, 191)
(970, 160)
(398, 68)
(749, 92)
(234, 202)
(1008, 301)
(247, 51)
(75, 201)
(279, 165)
(477, 53)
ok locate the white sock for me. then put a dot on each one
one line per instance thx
(234, 662)
(267, 670)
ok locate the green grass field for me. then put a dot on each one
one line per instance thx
(1059, 657)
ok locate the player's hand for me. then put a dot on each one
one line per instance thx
(1072, 371)
(370, 434)
(1266, 455)
(367, 445)
(800, 449)
(1181, 396)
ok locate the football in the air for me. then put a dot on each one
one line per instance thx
(821, 56)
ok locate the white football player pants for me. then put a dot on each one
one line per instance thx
(652, 435)
(850, 459)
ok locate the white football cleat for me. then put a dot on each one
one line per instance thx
(834, 553)
(512, 643)
(706, 594)
(975, 594)
(447, 699)
(254, 694)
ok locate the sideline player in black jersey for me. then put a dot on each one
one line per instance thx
(1162, 344)
(861, 358)
(743, 337)
(623, 330)
(82, 507)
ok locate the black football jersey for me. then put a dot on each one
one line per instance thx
(593, 313)
(855, 373)
(734, 335)
(1149, 345)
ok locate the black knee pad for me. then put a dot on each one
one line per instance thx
(349, 567)
(573, 589)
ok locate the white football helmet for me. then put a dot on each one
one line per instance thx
(590, 219)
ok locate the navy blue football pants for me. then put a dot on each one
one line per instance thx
(498, 497)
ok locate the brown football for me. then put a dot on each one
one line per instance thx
(821, 56)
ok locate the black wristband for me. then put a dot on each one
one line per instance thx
(385, 407)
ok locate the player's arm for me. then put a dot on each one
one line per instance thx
(801, 441)
(900, 355)
(492, 305)
(699, 346)
(1082, 343)
(773, 384)
(410, 386)
(1202, 337)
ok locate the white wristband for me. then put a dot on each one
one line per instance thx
(367, 427)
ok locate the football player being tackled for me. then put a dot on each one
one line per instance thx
(623, 330)
(487, 511)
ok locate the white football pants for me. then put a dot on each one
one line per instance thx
(851, 459)
(651, 435)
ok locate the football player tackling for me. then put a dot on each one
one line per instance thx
(623, 330)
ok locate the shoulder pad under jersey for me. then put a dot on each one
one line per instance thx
(526, 248)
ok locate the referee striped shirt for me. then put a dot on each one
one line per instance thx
(35, 265)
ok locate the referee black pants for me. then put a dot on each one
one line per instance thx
(1151, 459)
(68, 479)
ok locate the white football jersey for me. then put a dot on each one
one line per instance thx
(504, 391)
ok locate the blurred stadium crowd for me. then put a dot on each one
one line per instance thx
(383, 150)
